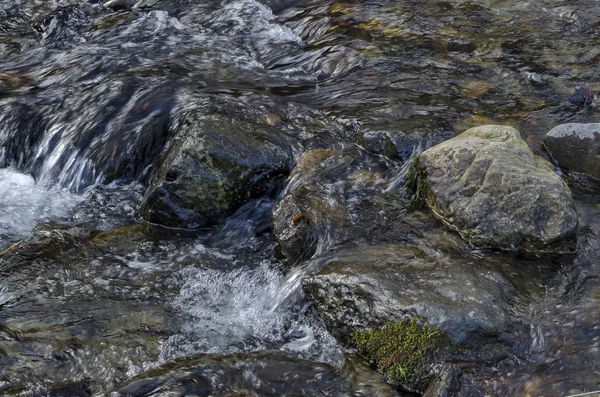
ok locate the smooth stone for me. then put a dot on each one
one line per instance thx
(369, 287)
(576, 147)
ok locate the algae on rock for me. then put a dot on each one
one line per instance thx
(403, 351)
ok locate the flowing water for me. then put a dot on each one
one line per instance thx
(91, 92)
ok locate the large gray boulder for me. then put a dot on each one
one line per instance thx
(488, 184)
(576, 147)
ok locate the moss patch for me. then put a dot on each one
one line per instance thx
(416, 184)
(403, 351)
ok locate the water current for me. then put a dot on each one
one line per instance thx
(90, 93)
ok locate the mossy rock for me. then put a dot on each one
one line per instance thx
(416, 184)
(404, 351)
(488, 185)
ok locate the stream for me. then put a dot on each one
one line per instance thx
(94, 301)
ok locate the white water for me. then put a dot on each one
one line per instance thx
(24, 203)
(247, 309)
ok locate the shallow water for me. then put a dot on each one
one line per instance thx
(89, 95)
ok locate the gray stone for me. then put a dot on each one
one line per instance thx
(212, 170)
(576, 147)
(369, 287)
(225, 152)
(488, 184)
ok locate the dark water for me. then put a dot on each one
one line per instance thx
(89, 95)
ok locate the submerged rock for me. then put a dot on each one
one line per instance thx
(264, 373)
(333, 197)
(490, 186)
(576, 147)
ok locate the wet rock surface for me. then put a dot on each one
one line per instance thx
(490, 186)
(216, 163)
(576, 147)
(372, 286)
(336, 196)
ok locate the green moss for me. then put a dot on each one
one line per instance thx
(403, 351)
(105, 237)
(416, 183)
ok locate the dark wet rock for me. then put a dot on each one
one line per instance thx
(576, 147)
(490, 186)
(76, 390)
(379, 143)
(64, 26)
(336, 196)
(124, 133)
(265, 373)
(445, 384)
(372, 286)
(216, 163)
(20, 141)
(118, 5)
(582, 96)
(212, 168)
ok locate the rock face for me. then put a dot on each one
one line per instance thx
(211, 171)
(490, 186)
(333, 197)
(576, 147)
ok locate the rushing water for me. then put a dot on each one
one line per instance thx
(90, 94)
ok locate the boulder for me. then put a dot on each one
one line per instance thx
(488, 185)
(576, 147)
(334, 197)
(216, 162)
(369, 287)
(212, 170)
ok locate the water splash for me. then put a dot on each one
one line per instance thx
(24, 203)
(247, 309)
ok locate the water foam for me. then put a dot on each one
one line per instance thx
(247, 309)
(24, 203)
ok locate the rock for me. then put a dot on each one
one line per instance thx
(262, 373)
(217, 162)
(576, 147)
(445, 384)
(336, 196)
(213, 168)
(488, 184)
(372, 286)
